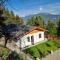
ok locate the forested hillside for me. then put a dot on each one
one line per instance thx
(51, 25)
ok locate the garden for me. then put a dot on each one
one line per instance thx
(43, 49)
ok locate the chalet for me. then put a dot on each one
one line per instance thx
(30, 37)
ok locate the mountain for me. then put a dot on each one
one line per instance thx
(45, 15)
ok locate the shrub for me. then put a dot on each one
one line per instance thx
(4, 52)
(50, 43)
(58, 44)
(13, 56)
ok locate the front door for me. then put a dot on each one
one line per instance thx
(32, 40)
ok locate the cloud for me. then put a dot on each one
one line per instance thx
(47, 8)
(51, 8)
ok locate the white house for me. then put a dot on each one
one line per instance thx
(35, 35)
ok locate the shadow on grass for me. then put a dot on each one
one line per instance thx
(41, 54)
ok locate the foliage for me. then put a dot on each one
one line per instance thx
(58, 28)
(51, 26)
(40, 21)
(31, 21)
(11, 18)
(1, 34)
(13, 56)
(36, 21)
(4, 52)
(7, 17)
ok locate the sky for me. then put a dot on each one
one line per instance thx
(28, 7)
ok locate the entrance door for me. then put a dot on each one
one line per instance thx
(32, 40)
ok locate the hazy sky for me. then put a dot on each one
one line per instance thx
(28, 7)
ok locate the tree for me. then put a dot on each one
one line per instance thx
(58, 29)
(2, 19)
(31, 21)
(40, 21)
(11, 18)
(36, 21)
(7, 17)
(3, 25)
(51, 26)
(19, 20)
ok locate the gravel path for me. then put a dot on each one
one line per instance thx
(53, 56)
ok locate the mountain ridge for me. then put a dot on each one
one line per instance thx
(41, 14)
(45, 16)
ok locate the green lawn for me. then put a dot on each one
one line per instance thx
(43, 49)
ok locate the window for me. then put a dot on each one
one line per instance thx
(39, 35)
(28, 38)
(32, 40)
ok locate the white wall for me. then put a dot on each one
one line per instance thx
(36, 37)
(24, 41)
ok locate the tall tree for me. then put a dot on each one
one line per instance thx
(36, 21)
(41, 21)
(58, 29)
(19, 20)
(51, 27)
(31, 21)
(2, 19)
(7, 17)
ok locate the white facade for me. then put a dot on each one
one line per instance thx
(24, 40)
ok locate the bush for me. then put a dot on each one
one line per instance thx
(58, 44)
(4, 52)
(13, 56)
(1, 34)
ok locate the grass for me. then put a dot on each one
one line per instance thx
(43, 49)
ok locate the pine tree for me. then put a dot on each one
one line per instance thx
(58, 29)
(31, 21)
(51, 27)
